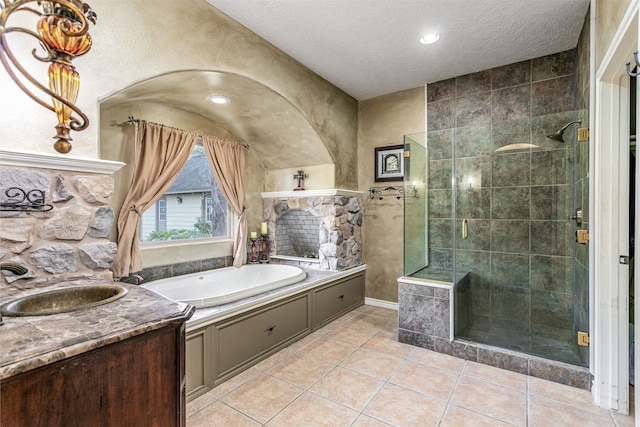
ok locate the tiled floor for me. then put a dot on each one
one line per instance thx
(353, 372)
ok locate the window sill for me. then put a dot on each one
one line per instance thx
(164, 253)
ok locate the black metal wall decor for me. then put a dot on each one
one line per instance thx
(20, 200)
(397, 191)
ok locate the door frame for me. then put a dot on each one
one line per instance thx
(609, 291)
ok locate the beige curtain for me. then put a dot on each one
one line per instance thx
(162, 152)
(227, 163)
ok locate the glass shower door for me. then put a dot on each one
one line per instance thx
(415, 204)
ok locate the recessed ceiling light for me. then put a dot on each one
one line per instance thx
(429, 38)
(218, 99)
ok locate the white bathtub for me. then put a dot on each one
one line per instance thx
(224, 285)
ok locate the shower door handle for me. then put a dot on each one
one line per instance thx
(465, 229)
(577, 217)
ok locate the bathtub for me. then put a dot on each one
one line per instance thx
(224, 285)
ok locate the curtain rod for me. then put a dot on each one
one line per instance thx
(132, 120)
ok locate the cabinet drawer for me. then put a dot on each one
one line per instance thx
(248, 336)
(335, 299)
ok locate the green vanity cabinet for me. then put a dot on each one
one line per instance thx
(334, 300)
(226, 347)
(251, 336)
(198, 348)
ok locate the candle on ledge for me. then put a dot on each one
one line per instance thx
(254, 235)
(263, 228)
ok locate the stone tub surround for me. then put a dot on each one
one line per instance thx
(340, 223)
(205, 316)
(70, 240)
(34, 341)
(180, 268)
(425, 319)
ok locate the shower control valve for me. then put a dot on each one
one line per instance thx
(577, 217)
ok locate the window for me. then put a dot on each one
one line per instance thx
(192, 208)
(208, 207)
(162, 210)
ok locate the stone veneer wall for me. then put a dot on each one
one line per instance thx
(340, 226)
(72, 239)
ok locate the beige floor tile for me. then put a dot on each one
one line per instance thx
(351, 335)
(372, 363)
(301, 370)
(562, 393)
(365, 421)
(365, 321)
(313, 410)
(329, 349)
(384, 344)
(347, 387)
(544, 412)
(438, 360)
(299, 345)
(200, 402)
(262, 397)
(274, 359)
(425, 379)
(382, 312)
(234, 382)
(219, 414)
(495, 375)
(460, 417)
(399, 406)
(492, 400)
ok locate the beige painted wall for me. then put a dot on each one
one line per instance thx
(609, 14)
(319, 177)
(384, 121)
(132, 41)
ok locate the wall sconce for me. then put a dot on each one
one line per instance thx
(62, 31)
(179, 199)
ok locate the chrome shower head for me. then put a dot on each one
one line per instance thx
(557, 136)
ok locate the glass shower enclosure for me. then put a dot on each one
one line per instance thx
(493, 208)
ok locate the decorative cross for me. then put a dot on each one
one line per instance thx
(300, 176)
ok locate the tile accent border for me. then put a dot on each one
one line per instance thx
(178, 269)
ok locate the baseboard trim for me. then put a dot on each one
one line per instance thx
(381, 303)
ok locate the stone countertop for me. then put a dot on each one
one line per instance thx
(29, 342)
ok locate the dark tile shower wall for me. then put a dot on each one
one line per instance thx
(516, 202)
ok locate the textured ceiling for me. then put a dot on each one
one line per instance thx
(371, 47)
(278, 132)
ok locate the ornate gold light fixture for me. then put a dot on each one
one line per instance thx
(62, 31)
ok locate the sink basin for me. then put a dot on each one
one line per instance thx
(62, 300)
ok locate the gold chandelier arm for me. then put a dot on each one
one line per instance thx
(79, 14)
(5, 53)
(63, 33)
(50, 55)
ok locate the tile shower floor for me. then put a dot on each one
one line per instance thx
(353, 372)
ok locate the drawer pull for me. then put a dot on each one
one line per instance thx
(270, 329)
(341, 297)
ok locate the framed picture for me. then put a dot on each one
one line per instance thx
(389, 163)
